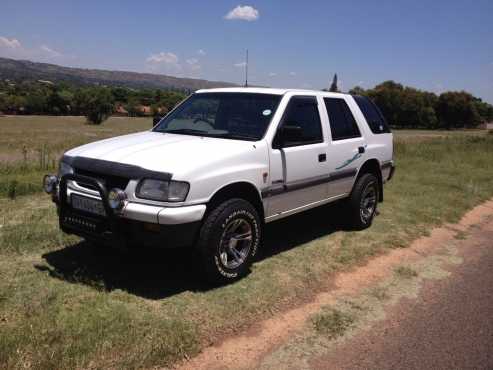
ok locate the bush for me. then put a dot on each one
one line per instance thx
(97, 104)
(12, 189)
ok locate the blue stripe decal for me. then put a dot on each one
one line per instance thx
(351, 160)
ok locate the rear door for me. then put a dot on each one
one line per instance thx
(347, 146)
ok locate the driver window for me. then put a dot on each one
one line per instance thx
(302, 117)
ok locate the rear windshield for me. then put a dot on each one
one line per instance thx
(240, 116)
(372, 114)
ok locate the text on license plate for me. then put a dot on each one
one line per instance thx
(88, 205)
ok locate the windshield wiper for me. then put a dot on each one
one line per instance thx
(186, 131)
(222, 135)
(234, 136)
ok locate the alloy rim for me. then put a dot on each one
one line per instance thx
(235, 243)
(368, 202)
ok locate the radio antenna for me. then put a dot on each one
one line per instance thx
(246, 69)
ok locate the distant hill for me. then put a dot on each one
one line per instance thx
(18, 70)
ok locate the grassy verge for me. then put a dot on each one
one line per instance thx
(30, 146)
(63, 305)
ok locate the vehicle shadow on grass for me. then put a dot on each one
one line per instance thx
(158, 274)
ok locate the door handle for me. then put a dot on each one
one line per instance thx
(361, 149)
(322, 157)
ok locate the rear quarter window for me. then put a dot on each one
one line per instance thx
(373, 116)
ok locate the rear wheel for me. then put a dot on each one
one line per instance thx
(229, 240)
(363, 201)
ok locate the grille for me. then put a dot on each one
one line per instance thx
(108, 180)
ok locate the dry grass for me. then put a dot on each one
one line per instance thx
(57, 134)
(30, 146)
(64, 304)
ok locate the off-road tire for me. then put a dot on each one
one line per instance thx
(354, 204)
(212, 232)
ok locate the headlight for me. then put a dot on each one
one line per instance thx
(164, 191)
(64, 169)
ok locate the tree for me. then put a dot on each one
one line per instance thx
(457, 109)
(15, 103)
(333, 86)
(132, 107)
(3, 103)
(120, 94)
(357, 90)
(484, 109)
(96, 103)
(171, 99)
(36, 103)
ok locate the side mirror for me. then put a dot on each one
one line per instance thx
(288, 134)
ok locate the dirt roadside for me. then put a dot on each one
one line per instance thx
(288, 341)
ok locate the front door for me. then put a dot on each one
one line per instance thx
(298, 159)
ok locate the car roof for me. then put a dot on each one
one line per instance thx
(268, 90)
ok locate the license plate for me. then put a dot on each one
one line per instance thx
(90, 205)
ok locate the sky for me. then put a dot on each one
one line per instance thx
(434, 45)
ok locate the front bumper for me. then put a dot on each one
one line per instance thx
(136, 224)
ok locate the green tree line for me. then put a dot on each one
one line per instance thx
(403, 106)
(95, 102)
(407, 107)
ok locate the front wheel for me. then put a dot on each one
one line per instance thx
(228, 241)
(363, 201)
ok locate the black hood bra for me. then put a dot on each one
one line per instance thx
(114, 168)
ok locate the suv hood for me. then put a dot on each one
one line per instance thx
(173, 153)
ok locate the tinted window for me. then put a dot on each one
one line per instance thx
(244, 116)
(302, 113)
(342, 122)
(372, 114)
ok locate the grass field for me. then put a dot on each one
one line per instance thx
(65, 305)
(32, 145)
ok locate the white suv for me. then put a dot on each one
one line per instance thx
(222, 164)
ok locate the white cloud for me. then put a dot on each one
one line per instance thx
(162, 57)
(9, 43)
(12, 48)
(169, 63)
(245, 13)
(193, 64)
(201, 52)
(240, 65)
(165, 62)
(292, 73)
(50, 52)
(272, 74)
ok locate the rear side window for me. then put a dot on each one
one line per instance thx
(342, 122)
(372, 114)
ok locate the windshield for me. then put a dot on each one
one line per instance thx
(242, 116)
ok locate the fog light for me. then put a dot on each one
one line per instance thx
(49, 183)
(116, 199)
